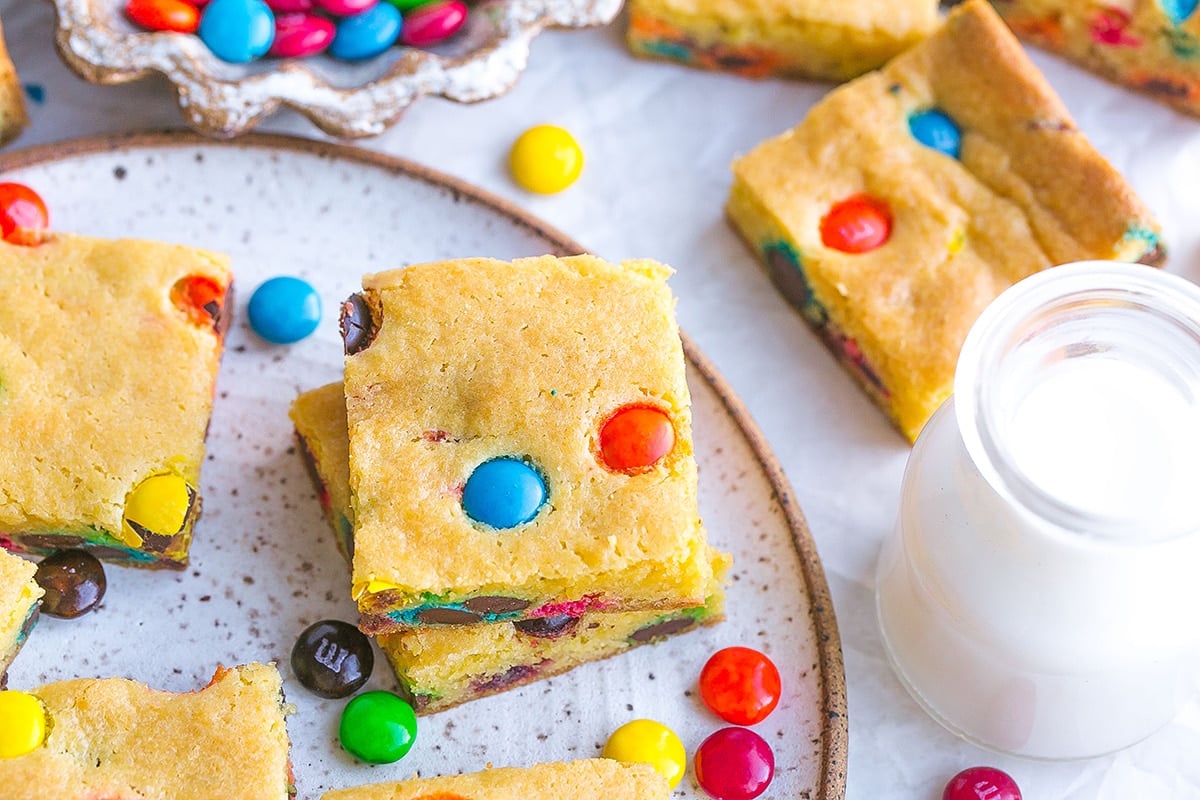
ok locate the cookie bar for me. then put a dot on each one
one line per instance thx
(1150, 45)
(19, 599)
(586, 779)
(911, 197)
(797, 38)
(440, 667)
(520, 443)
(108, 358)
(115, 738)
(13, 118)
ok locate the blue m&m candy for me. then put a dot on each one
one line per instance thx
(284, 310)
(368, 34)
(237, 31)
(935, 129)
(504, 493)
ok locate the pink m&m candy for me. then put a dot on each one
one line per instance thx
(433, 22)
(345, 8)
(982, 783)
(300, 35)
(290, 6)
(734, 764)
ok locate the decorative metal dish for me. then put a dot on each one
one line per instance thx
(344, 99)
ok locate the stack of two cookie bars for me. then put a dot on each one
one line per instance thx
(509, 467)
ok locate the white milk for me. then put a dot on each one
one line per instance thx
(1039, 595)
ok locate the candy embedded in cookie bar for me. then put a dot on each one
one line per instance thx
(587, 779)
(19, 597)
(1152, 46)
(476, 391)
(910, 198)
(117, 738)
(439, 667)
(799, 38)
(109, 352)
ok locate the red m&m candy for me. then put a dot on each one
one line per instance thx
(734, 764)
(982, 783)
(740, 685)
(858, 224)
(23, 214)
(635, 438)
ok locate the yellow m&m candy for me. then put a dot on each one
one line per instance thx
(648, 742)
(546, 159)
(22, 724)
(157, 506)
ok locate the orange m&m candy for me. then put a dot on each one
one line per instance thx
(164, 15)
(635, 437)
(858, 224)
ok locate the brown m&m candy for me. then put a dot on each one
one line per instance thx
(332, 658)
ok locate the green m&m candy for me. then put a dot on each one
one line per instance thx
(378, 728)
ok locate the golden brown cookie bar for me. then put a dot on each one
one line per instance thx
(108, 359)
(13, 118)
(911, 197)
(19, 598)
(587, 779)
(439, 667)
(110, 738)
(1150, 45)
(479, 394)
(799, 38)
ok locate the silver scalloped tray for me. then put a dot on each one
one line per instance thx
(343, 99)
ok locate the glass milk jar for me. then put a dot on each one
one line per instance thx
(1041, 592)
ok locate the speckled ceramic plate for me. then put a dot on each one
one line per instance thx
(263, 561)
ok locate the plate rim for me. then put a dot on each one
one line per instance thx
(834, 723)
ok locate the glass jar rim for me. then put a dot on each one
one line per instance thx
(1172, 298)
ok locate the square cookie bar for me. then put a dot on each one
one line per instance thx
(439, 667)
(1150, 45)
(13, 118)
(586, 779)
(108, 357)
(520, 443)
(19, 599)
(818, 39)
(115, 738)
(911, 197)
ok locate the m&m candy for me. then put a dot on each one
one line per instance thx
(734, 764)
(982, 783)
(378, 728)
(332, 658)
(636, 437)
(23, 215)
(299, 35)
(933, 128)
(345, 8)
(546, 159)
(74, 583)
(284, 310)
(164, 15)
(649, 742)
(740, 685)
(237, 31)
(433, 22)
(367, 34)
(858, 224)
(22, 724)
(504, 493)
(158, 506)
